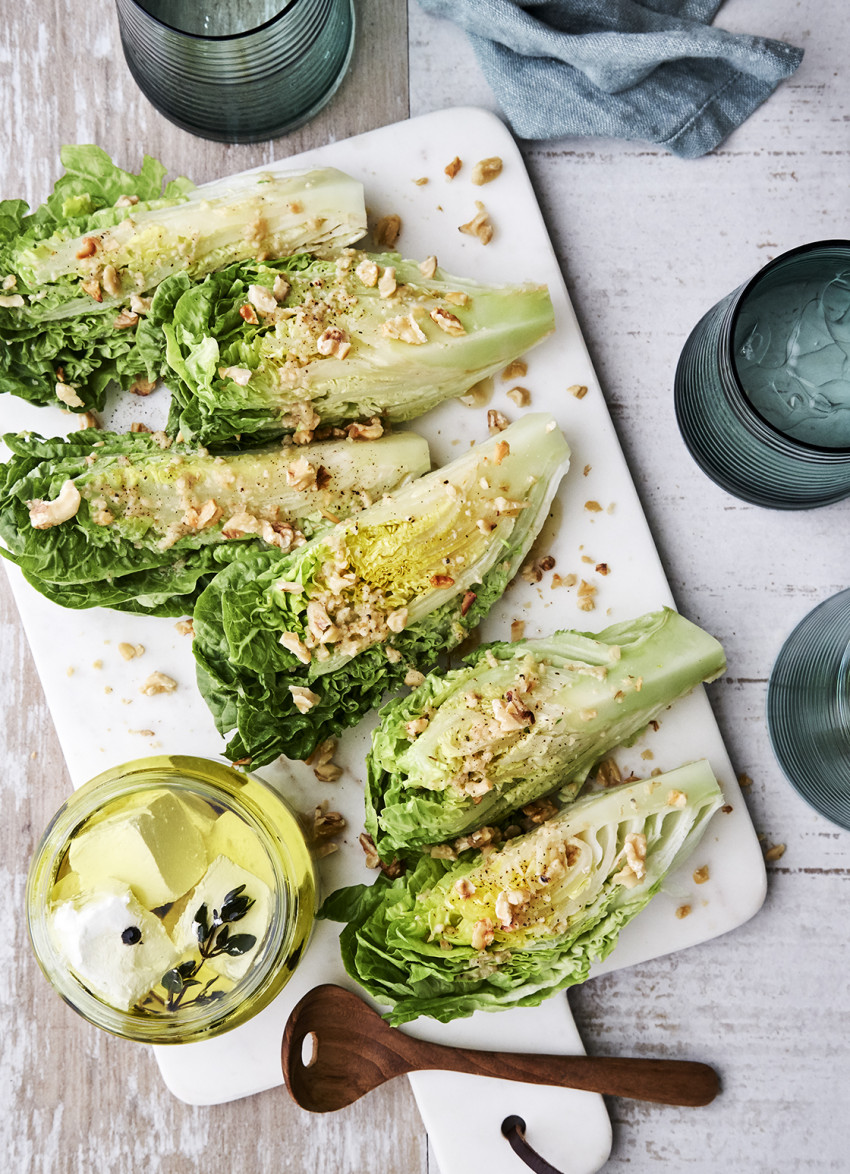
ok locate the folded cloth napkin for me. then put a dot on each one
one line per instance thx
(651, 70)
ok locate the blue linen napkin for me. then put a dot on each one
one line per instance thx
(650, 70)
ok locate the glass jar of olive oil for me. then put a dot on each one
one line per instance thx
(170, 899)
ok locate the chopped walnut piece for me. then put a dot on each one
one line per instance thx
(367, 272)
(249, 314)
(534, 571)
(326, 824)
(67, 393)
(479, 225)
(262, 299)
(449, 323)
(45, 514)
(185, 627)
(303, 698)
(578, 390)
(467, 602)
(428, 267)
(111, 281)
(421, 181)
(539, 811)
(294, 644)
(517, 630)
(158, 683)
(464, 887)
(592, 507)
(442, 581)
(451, 169)
(333, 341)
(677, 799)
(366, 842)
(301, 474)
(486, 170)
(371, 431)
(683, 911)
(516, 369)
(405, 328)
(142, 386)
(130, 651)
(479, 394)
(482, 934)
(744, 780)
(138, 426)
(479, 839)
(88, 247)
(774, 852)
(387, 284)
(521, 396)
(92, 287)
(501, 450)
(608, 773)
(89, 420)
(125, 320)
(416, 727)
(601, 568)
(387, 230)
(496, 421)
(325, 770)
(701, 875)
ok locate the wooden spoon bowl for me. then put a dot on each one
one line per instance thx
(336, 1048)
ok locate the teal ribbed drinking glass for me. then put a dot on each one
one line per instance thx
(762, 388)
(808, 708)
(237, 71)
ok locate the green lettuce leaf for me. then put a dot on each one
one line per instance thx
(289, 372)
(149, 516)
(510, 928)
(294, 648)
(77, 274)
(471, 746)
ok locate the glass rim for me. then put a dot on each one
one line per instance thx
(287, 6)
(740, 298)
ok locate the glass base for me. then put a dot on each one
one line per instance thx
(808, 708)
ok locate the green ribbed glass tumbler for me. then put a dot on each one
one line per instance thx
(808, 708)
(762, 388)
(238, 71)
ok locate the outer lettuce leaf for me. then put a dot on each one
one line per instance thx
(38, 339)
(292, 384)
(576, 881)
(418, 557)
(136, 541)
(76, 267)
(567, 700)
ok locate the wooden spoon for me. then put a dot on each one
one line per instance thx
(351, 1050)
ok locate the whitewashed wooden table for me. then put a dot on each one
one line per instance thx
(647, 242)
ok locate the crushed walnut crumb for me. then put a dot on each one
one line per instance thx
(156, 683)
(534, 571)
(386, 231)
(578, 390)
(479, 226)
(521, 396)
(451, 169)
(130, 651)
(683, 911)
(700, 875)
(496, 421)
(593, 507)
(486, 170)
(517, 630)
(744, 780)
(185, 627)
(608, 774)
(428, 267)
(775, 852)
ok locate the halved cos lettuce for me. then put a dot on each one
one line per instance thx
(77, 274)
(294, 648)
(522, 720)
(508, 929)
(137, 522)
(261, 349)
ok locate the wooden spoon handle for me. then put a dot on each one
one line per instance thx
(666, 1082)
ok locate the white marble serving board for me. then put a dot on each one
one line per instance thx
(99, 729)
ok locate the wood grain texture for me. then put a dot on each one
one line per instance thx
(75, 1100)
(647, 242)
